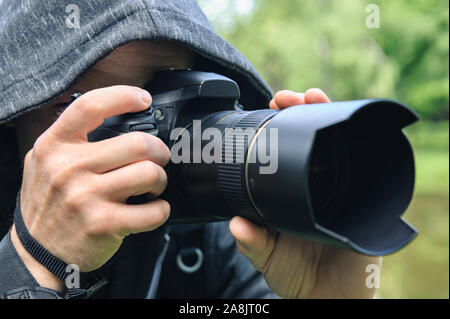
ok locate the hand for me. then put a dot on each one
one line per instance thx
(298, 268)
(73, 196)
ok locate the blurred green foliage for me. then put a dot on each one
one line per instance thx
(326, 43)
(430, 141)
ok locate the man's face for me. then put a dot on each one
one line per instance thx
(132, 64)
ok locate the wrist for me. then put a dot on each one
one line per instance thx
(42, 275)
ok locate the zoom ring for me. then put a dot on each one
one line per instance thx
(231, 170)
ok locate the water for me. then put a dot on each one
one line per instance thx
(421, 269)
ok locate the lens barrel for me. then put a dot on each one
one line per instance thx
(338, 173)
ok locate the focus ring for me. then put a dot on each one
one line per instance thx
(231, 170)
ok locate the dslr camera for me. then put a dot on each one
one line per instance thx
(337, 173)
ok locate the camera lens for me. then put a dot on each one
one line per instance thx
(324, 173)
(335, 176)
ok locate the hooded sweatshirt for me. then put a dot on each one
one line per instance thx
(46, 47)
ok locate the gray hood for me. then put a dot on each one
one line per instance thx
(41, 57)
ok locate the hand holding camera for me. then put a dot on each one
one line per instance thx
(298, 268)
(74, 192)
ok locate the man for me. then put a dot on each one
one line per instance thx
(73, 192)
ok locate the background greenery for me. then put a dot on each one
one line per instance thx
(326, 43)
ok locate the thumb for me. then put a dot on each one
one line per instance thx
(257, 243)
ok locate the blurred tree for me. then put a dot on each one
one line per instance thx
(298, 44)
(325, 43)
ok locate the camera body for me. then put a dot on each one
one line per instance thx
(178, 98)
(338, 173)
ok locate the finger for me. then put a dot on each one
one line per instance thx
(131, 219)
(90, 110)
(253, 241)
(316, 96)
(126, 149)
(273, 105)
(135, 179)
(286, 98)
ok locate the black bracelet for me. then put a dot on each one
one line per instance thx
(55, 265)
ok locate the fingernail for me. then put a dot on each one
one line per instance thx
(314, 89)
(145, 97)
